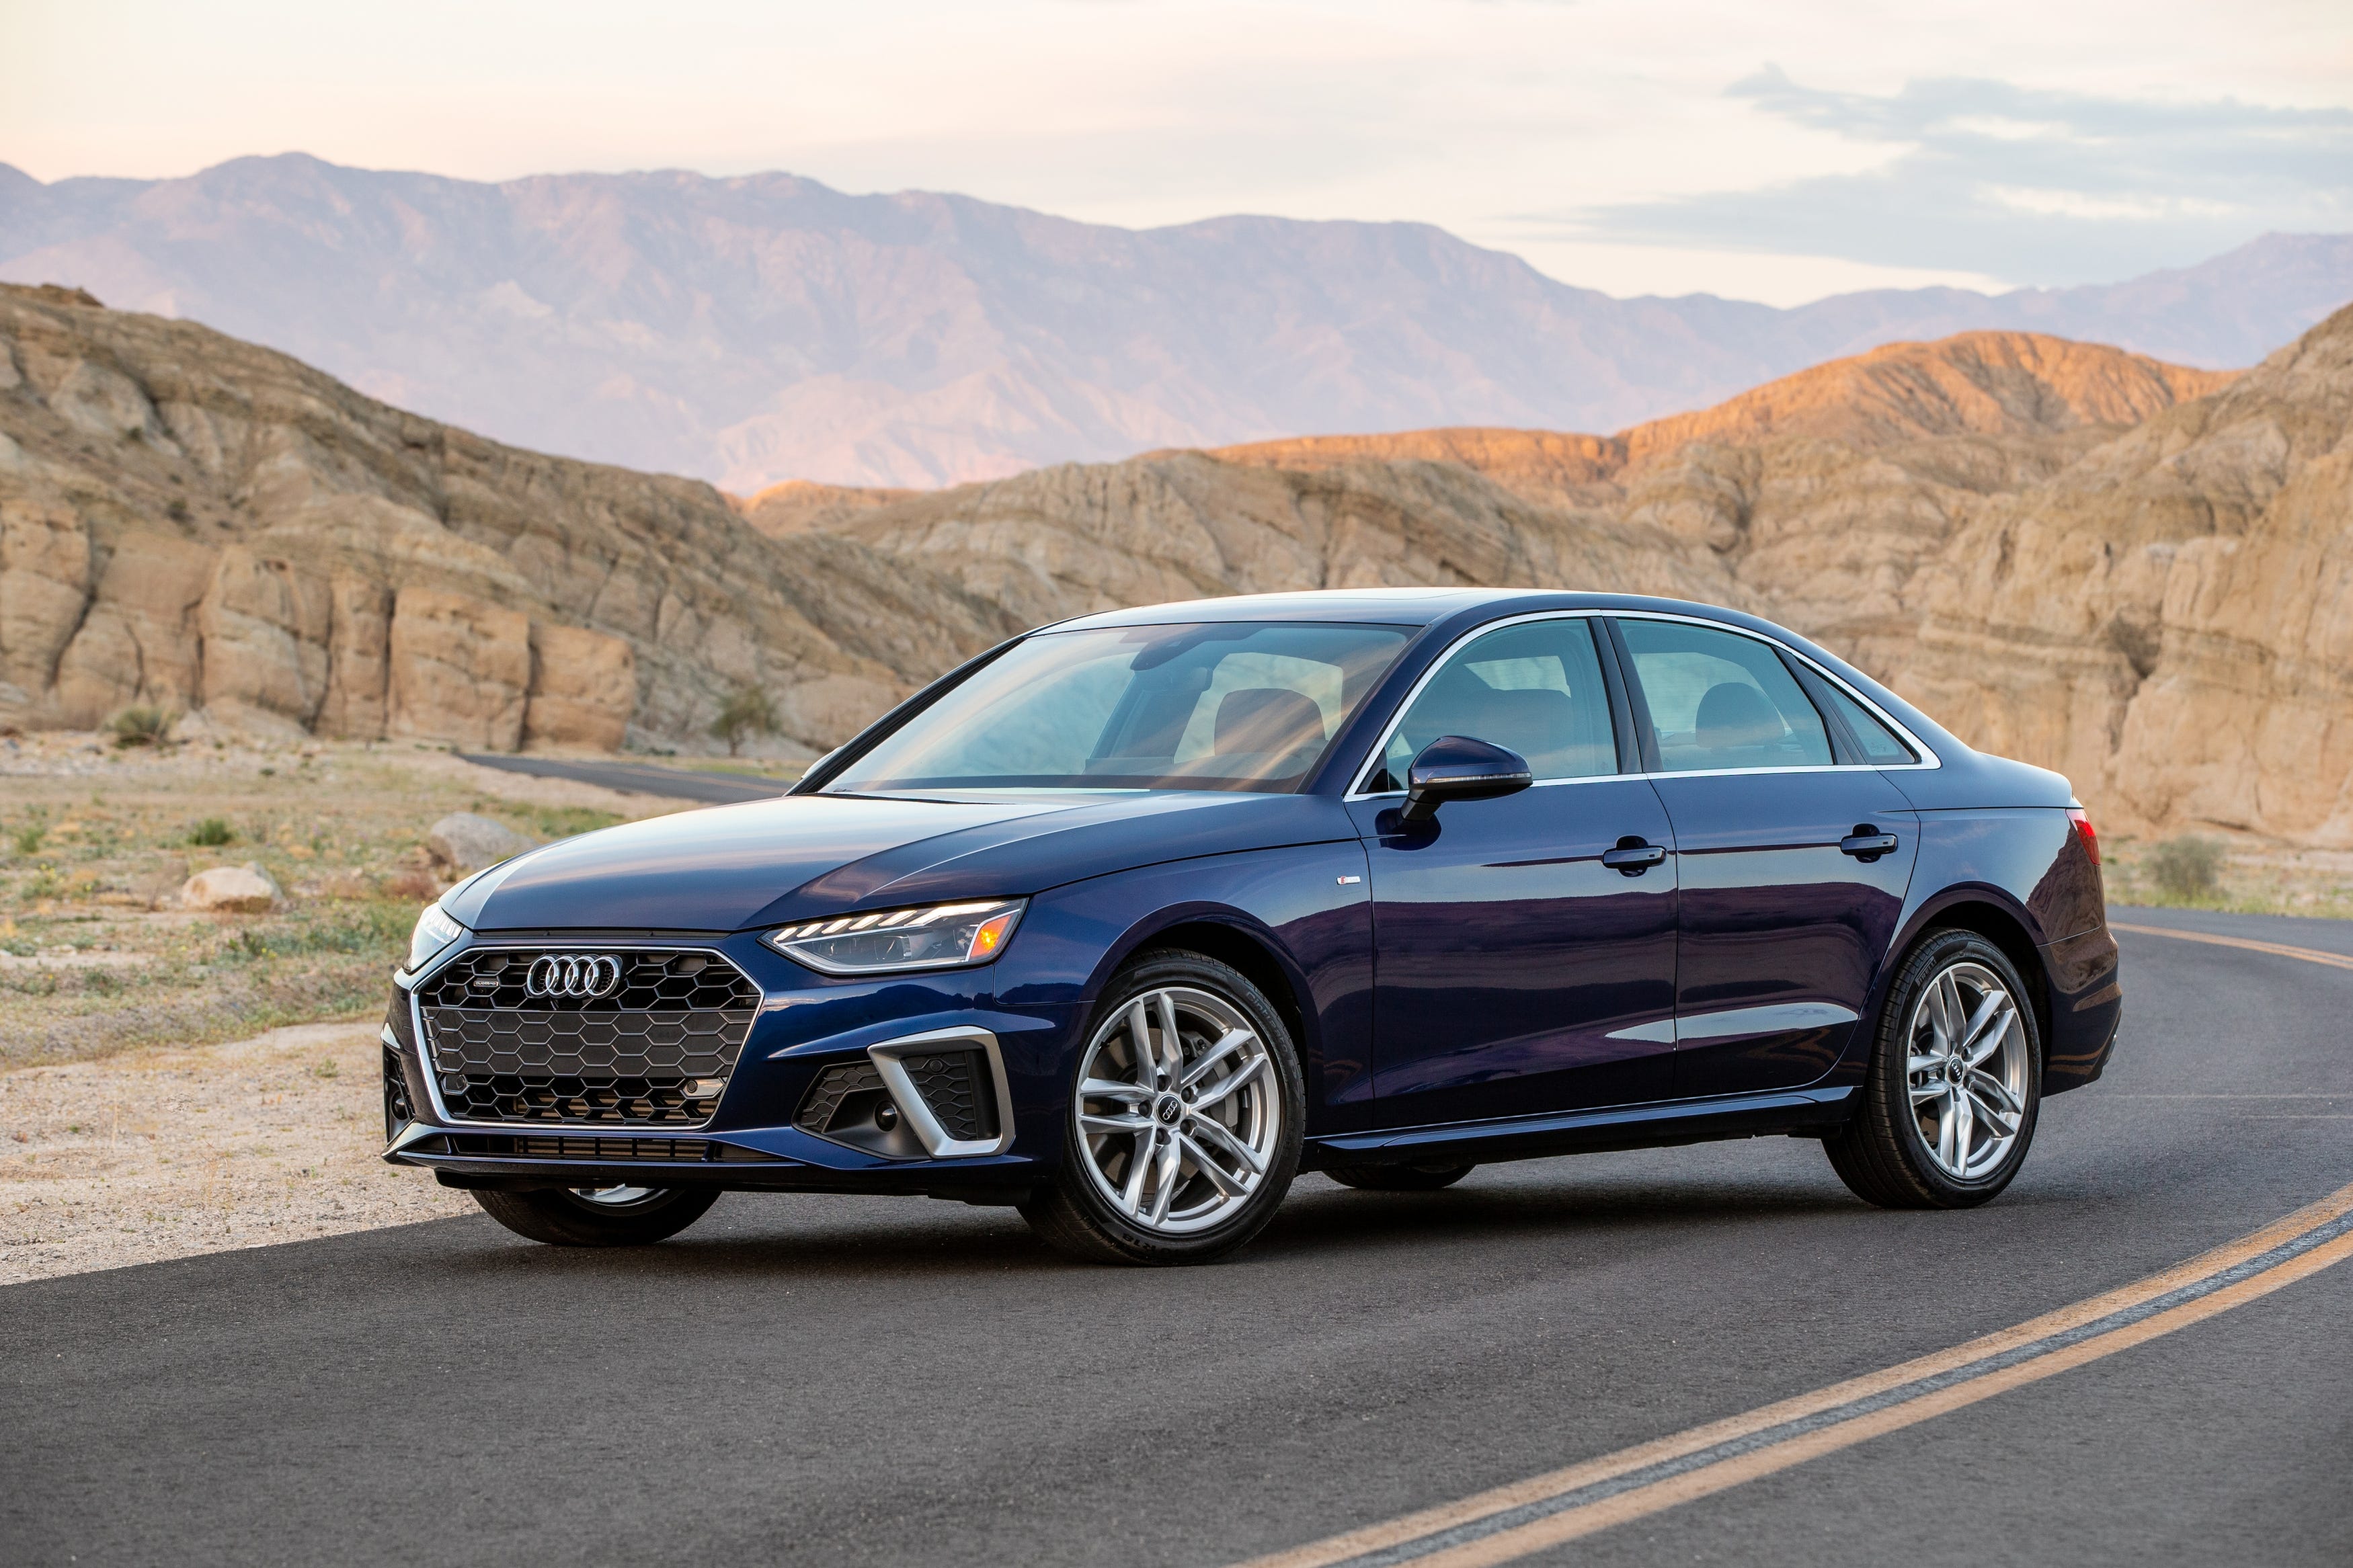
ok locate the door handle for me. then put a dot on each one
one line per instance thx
(1867, 844)
(1632, 856)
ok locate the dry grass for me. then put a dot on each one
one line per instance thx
(2256, 878)
(156, 1153)
(96, 840)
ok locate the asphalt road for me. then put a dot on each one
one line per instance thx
(639, 778)
(901, 1381)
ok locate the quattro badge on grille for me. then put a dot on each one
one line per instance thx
(574, 975)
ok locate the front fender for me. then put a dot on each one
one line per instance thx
(1304, 912)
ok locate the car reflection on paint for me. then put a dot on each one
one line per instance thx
(1129, 921)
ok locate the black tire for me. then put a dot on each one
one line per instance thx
(1074, 1217)
(1398, 1178)
(561, 1218)
(1883, 1154)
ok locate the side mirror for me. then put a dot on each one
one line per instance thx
(1456, 767)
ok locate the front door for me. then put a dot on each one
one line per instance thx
(1788, 896)
(1515, 973)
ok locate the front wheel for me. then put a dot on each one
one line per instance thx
(1184, 1124)
(1949, 1101)
(599, 1216)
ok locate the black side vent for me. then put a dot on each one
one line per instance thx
(397, 1112)
(954, 1084)
(844, 1096)
(848, 1103)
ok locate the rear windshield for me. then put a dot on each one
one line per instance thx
(1236, 705)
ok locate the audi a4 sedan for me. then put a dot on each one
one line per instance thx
(1131, 919)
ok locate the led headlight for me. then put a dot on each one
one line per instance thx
(435, 930)
(937, 936)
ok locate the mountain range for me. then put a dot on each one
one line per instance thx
(760, 329)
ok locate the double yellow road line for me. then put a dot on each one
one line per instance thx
(1543, 1511)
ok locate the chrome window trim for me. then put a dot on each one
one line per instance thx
(1928, 761)
(886, 1058)
(451, 953)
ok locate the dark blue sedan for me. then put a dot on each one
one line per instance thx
(1129, 921)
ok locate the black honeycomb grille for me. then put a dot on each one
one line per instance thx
(655, 1052)
(846, 1092)
(954, 1084)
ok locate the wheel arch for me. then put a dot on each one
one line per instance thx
(1979, 912)
(1232, 943)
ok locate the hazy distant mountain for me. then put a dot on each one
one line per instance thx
(748, 331)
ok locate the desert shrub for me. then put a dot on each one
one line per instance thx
(2187, 867)
(29, 838)
(140, 727)
(748, 712)
(211, 833)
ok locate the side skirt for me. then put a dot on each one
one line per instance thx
(1805, 1113)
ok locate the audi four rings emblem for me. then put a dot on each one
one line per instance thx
(574, 975)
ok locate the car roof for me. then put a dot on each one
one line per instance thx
(1391, 606)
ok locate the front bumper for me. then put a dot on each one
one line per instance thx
(763, 1133)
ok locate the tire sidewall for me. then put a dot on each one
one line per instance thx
(1075, 1186)
(1932, 957)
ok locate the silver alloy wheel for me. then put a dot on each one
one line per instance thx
(1967, 1063)
(1178, 1110)
(614, 1197)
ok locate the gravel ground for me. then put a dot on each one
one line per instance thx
(164, 1153)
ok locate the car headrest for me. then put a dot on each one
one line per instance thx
(1734, 713)
(1266, 719)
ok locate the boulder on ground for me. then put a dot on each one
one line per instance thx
(230, 891)
(465, 842)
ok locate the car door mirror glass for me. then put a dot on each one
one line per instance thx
(1456, 767)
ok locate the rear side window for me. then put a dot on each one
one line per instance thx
(1875, 740)
(1718, 699)
(1535, 688)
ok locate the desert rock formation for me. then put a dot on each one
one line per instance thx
(2132, 571)
(190, 523)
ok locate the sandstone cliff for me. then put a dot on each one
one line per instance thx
(2129, 571)
(2132, 571)
(194, 523)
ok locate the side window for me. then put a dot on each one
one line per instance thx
(1535, 688)
(1718, 699)
(1878, 744)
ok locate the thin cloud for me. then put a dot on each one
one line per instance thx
(2017, 183)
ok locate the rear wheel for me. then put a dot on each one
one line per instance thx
(1954, 1083)
(1398, 1178)
(599, 1216)
(1183, 1130)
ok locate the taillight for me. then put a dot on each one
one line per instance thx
(2085, 831)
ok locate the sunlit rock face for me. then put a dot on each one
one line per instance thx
(2126, 570)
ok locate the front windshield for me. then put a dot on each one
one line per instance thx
(1235, 705)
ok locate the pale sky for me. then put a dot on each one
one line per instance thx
(1768, 152)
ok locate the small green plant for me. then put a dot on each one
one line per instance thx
(140, 727)
(2187, 867)
(327, 1068)
(211, 834)
(28, 839)
(748, 712)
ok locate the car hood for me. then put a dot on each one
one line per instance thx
(768, 862)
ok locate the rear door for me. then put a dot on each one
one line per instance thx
(1515, 973)
(1794, 852)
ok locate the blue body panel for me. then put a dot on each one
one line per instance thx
(1480, 984)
